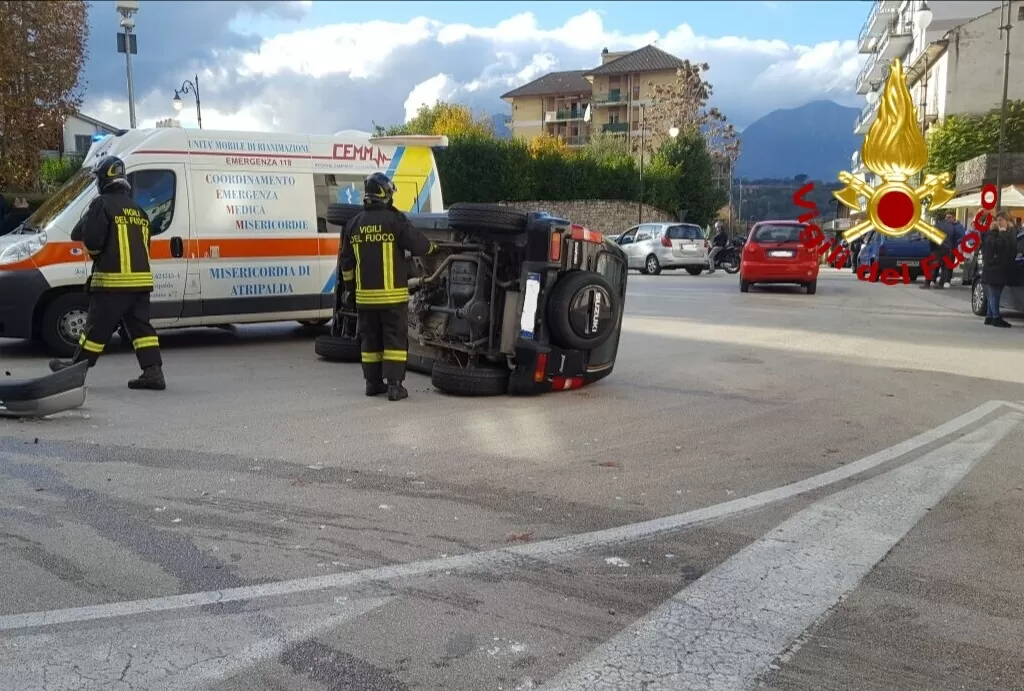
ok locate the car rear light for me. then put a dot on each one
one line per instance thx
(556, 247)
(750, 247)
(707, 245)
(566, 383)
(541, 369)
(665, 242)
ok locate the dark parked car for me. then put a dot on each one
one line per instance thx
(511, 303)
(1013, 295)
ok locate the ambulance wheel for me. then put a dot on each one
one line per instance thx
(455, 380)
(64, 323)
(488, 217)
(583, 310)
(340, 214)
(335, 349)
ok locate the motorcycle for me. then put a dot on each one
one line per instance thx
(729, 258)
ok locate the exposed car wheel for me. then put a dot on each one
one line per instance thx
(64, 323)
(340, 214)
(652, 265)
(491, 217)
(314, 323)
(336, 349)
(694, 270)
(812, 287)
(745, 286)
(583, 310)
(978, 301)
(469, 381)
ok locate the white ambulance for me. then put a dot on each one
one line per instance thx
(239, 231)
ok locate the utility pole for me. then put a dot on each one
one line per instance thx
(739, 210)
(1004, 30)
(640, 203)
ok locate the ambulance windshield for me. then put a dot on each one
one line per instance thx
(60, 200)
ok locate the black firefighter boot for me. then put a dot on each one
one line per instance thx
(60, 365)
(151, 379)
(375, 387)
(396, 391)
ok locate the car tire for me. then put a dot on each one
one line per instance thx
(64, 322)
(651, 265)
(745, 286)
(812, 287)
(336, 349)
(340, 214)
(469, 381)
(978, 299)
(694, 270)
(570, 314)
(314, 323)
(489, 217)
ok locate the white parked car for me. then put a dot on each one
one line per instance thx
(654, 247)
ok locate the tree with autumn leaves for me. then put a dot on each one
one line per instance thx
(441, 118)
(42, 52)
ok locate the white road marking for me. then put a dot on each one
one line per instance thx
(506, 557)
(724, 631)
(187, 653)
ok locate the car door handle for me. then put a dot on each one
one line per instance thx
(177, 247)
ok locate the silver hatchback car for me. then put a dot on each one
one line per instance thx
(653, 247)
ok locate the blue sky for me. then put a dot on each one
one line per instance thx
(797, 22)
(326, 66)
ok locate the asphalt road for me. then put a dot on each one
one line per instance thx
(799, 492)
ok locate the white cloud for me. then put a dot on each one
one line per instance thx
(343, 76)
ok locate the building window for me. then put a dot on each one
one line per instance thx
(154, 191)
(82, 143)
(613, 118)
(636, 92)
(1020, 14)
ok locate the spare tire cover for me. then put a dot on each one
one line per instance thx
(583, 311)
(590, 312)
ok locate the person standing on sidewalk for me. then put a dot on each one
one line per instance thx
(998, 255)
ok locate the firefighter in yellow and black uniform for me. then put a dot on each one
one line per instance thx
(115, 231)
(373, 273)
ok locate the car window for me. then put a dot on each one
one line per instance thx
(154, 191)
(631, 234)
(684, 233)
(647, 231)
(772, 232)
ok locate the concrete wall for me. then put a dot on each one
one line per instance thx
(607, 216)
(975, 79)
(527, 116)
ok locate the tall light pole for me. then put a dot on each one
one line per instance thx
(643, 129)
(193, 88)
(1004, 30)
(127, 10)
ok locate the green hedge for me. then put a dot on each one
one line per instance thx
(483, 169)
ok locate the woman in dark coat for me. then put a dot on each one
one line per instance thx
(998, 254)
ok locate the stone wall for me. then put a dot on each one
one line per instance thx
(981, 170)
(604, 215)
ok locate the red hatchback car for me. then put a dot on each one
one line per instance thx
(773, 253)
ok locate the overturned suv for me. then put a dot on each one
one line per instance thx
(509, 303)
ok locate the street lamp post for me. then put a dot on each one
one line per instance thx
(127, 10)
(643, 130)
(189, 87)
(1005, 31)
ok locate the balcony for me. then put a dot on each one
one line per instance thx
(615, 127)
(576, 141)
(881, 15)
(867, 116)
(894, 43)
(613, 98)
(563, 115)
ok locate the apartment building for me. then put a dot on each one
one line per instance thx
(616, 92)
(951, 50)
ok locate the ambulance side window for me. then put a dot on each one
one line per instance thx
(154, 191)
(335, 188)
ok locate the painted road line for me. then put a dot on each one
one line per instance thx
(507, 557)
(190, 652)
(724, 631)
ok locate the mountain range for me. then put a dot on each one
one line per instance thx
(815, 140)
